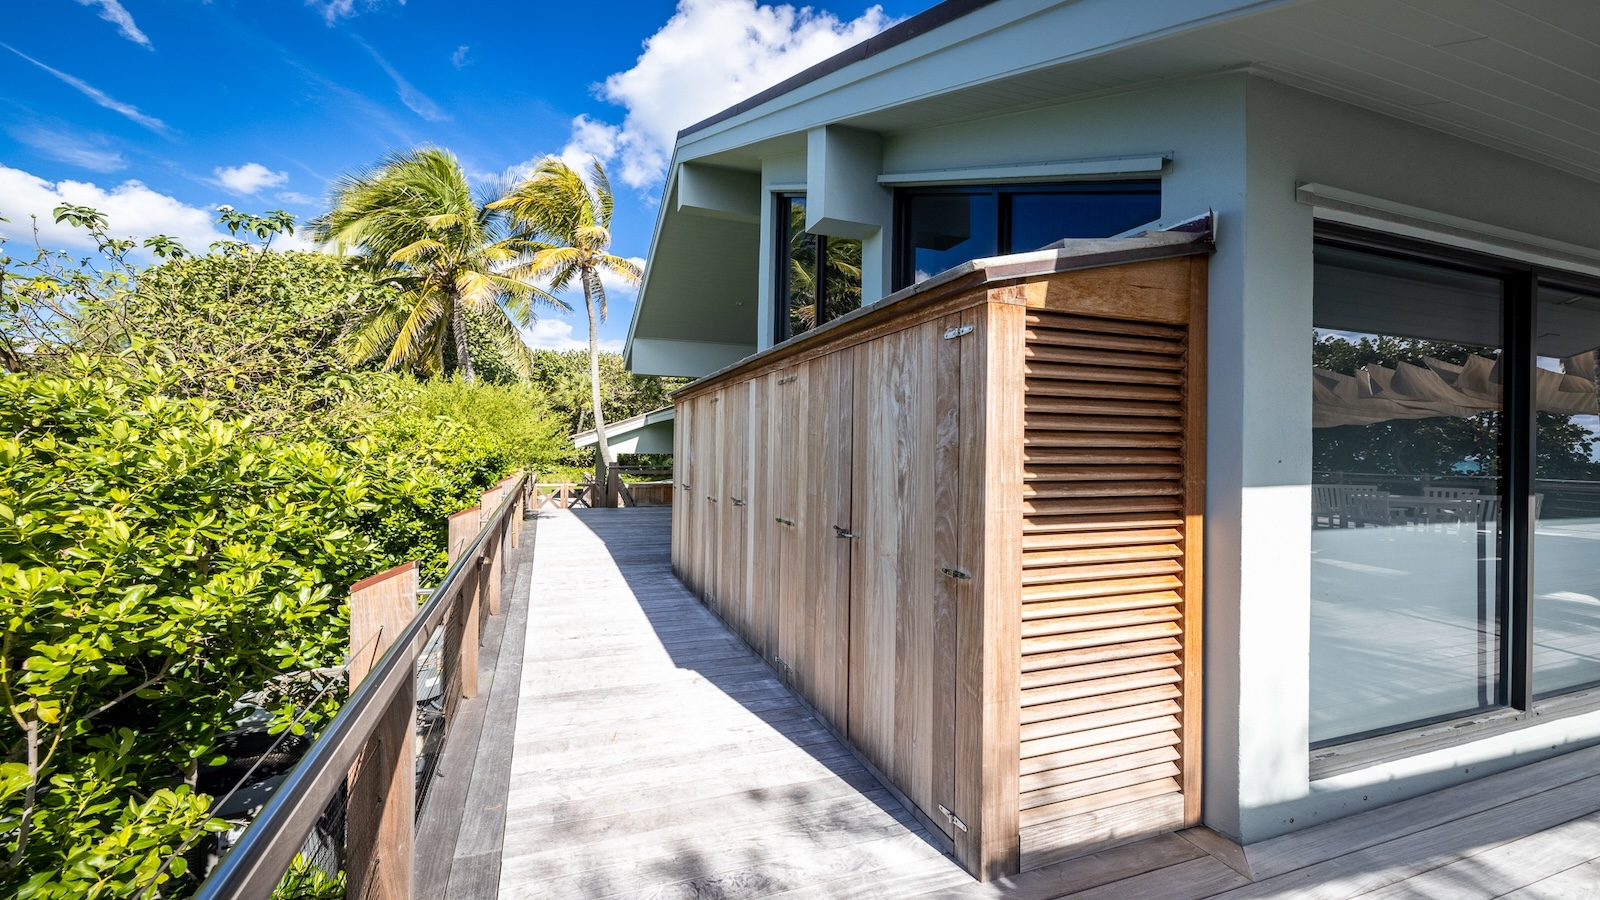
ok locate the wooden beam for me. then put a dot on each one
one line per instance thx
(382, 789)
(988, 638)
(493, 550)
(461, 640)
(1194, 513)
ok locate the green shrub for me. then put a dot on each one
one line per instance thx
(156, 565)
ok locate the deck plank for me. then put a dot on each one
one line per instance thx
(458, 833)
(655, 755)
(651, 754)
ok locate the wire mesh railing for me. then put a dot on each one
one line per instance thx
(340, 821)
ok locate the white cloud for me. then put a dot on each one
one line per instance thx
(250, 178)
(334, 10)
(418, 102)
(296, 197)
(98, 96)
(556, 334)
(131, 208)
(94, 152)
(113, 12)
(710, 55)
(590, 140)
(459, 58)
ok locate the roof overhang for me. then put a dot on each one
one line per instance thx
(1520, 78)
(649, 433)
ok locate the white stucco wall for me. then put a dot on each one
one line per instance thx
(1259, 472)
(1240, 145)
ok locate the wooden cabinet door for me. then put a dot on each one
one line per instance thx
(733, 412)
(814, 434)
(902, 626)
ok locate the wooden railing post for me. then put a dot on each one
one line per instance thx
(382, 794)
(489, 588)
(461, 642)
(515, 528)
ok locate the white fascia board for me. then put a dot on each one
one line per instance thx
(1337, 205)
(1001, 40)
(1152, 164)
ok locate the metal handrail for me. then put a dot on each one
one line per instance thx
(255, 866)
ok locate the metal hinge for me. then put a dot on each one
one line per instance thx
(955, 333)
(782, 521)
(957, 573)
(954, 819)
(787, 380)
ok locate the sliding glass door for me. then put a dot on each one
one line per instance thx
(1408, 456)
(1566, 536)
(1455, 520)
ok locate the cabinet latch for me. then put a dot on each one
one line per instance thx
(955, 820)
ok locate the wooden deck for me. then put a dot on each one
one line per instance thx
(652, 755)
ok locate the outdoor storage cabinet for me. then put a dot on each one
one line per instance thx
(964, 525)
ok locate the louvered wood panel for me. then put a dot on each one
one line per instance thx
(1104, 581)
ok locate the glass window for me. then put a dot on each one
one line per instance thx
(945, 230)
(812, 297)
(1408, 455)
(1042, 218)
(1566, 534)
(941, 228)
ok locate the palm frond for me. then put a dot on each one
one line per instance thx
(508, 339)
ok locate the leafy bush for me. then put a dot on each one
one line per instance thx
(156, 565)
(192, 473)
(258, 333)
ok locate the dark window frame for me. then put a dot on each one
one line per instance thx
(1520, 329)
(781, 330)
(1002, 192)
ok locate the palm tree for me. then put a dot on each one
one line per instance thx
(564, 224)
(416, 223)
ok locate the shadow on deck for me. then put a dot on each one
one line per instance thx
(649, 753)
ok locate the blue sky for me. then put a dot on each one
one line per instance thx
(159, 111)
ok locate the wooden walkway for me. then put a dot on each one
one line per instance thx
(653, 756)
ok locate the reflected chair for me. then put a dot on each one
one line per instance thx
(1373, 508)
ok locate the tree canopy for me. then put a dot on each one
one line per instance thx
(563, 224)
(417, 224)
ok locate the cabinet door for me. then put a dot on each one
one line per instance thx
(733, 413)
(902, 627)
(766, 479)
(789, 404)
(707, 465)
(826, 514)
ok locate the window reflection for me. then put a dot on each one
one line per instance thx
(1408, 447)
(941, 228)
(1566, 537)
(813, 296)
(948, 229)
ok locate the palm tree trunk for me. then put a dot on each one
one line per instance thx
(604, 446)
(458, 325)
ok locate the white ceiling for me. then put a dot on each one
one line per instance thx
(1521, 76)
